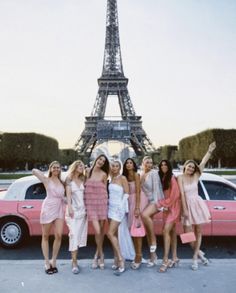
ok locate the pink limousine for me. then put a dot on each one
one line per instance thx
(20, 208)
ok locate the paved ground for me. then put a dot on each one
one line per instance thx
(29, 276)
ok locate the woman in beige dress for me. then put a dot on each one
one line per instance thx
(76, 218)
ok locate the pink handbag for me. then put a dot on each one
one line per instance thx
(137, 228)
(187, 237)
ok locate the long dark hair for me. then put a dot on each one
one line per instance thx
(105, 167)
(165, 177)
(125, 171)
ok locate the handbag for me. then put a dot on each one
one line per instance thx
(137, 228)
(187, 237)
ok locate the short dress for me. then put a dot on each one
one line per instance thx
(198, 212)
(96, 200)
(132, 202)
(54, 203)
(116, 203)
(172, 202)
(78, 225)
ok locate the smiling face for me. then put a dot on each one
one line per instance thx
(164, 167)
(115, 168)
(100, 161)
(80, 168)
(147, 164)
(190, 168)
(54, 169)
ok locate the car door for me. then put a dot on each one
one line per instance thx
(222, 206)
(30, 208)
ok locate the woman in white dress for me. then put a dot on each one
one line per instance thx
(76, 218)
(117, 207)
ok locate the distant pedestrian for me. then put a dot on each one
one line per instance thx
(52, 213)
(137, 202)
(96, 201)
(195, 211)
(152, 187)
(171, 214)
(76, 218)
(117, 208)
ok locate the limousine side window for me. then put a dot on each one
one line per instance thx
(36, 191)
(220, 191)
(200, 191)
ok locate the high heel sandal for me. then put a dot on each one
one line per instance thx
(164, 266)
(174, 263)
(204, 260)
(135, 265)
(48, 270)
(101, 263)
(95, 262)
(194, 265)
(152, 262)
(115, 264)
(121, 268)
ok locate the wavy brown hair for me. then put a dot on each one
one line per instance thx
(105, 167)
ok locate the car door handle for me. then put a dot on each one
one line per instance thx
(27, 207)
(219, 208)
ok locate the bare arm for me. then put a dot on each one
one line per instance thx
(137, 190)
(183, 199)
(207, 156)
(125, 185)
(40, 175)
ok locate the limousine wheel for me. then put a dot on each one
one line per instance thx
(13, 232)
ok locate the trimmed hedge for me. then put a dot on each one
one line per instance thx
(195, 147)
(19, 149)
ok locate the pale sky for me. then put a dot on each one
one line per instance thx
(179, 56)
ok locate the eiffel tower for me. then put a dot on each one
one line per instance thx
(98, 128)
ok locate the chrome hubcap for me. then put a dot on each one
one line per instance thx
(10, 233)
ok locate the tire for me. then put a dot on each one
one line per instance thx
(13, 232)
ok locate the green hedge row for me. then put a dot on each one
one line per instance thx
(194, 147)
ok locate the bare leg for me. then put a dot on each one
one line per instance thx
(167, 240)
(112, 235)
(58, 229)
(147, 215)
(173, 243)
(74, 256)
(99, 237)
(198, 234)
(45, 243)
(138, 249)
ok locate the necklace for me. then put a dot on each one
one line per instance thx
(115, 177)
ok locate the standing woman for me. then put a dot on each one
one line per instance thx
(52, 213)
(151, 186)
(137, 202)
(195, 211)
(76, 218)
(118, 204)
(96, 199)
(171, 214)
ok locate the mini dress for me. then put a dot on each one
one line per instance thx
(96, 200)
(54, 203)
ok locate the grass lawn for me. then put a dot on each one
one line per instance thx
(12, 176)
(223, 172)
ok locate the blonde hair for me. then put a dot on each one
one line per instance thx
(197, 169)
(51, 165)
(73, 167)
(146, 158)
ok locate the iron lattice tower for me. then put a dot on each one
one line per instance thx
(113, 82)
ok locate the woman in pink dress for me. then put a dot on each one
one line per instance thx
(52, 213)
(76, 218)
(96, 203)
(195, 211)
(171, 214)
(152, 187)
(137, 202)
